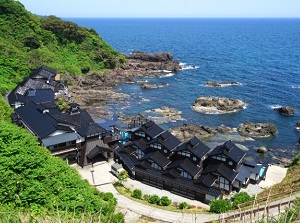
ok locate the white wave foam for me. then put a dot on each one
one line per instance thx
(295, 86)
(223, 85)
(189, 67)
(182, 64)
(275, 106)
(164, 71)
(167, 75)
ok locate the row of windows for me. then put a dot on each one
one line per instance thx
(142, 134)
(156, 145)
(62, 145)
(222, 158)
(140, 153)
(184, 153)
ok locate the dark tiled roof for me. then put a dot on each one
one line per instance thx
(186, 165)
(141, 144)
(40, 95)
(95, 147)
(151, 129)
(222, 170)
(158, 158)
(41, 124)
(195, 146)
(167, 140)
(80, 119)
(15, 97)
(231, 150)
(180, 182)
(90, 129)
(243, 173)
(207, 180)
(34, 84)
(43, 72)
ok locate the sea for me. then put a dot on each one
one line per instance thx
(263, 55)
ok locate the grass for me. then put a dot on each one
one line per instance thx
(291, 181)
(173, 207)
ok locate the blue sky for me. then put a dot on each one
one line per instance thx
(166, 8)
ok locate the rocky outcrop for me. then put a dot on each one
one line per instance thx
(145, 63)
(285, 110)
(262, 150)
(152, 86)
(169, 114)
(297, 125)
(187, 131)
(221, 84)
(215, 105)
(257, 130)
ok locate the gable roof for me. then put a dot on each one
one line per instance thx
(90, 129)
(186, 165)
(79, 119)
(40, 123)
(231, 150)
(167, 140)
(95, 147)
(222, 170)
(195, 146)
(207, 180)
(151, 129)
(141, 144)
(43, 72)
(158, 158)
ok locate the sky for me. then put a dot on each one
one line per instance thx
(166, 8)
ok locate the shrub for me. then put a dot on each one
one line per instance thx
(146, 197)
(137, 194)
(241, 198)
(165, 201)
(219, 206)
(182, 205)
(154, 199)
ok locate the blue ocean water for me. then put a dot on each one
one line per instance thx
(262, 54)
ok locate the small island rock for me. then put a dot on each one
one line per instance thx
(257, 130)
(221, 84)
(285, 110)
(262, 150)
(216, 105)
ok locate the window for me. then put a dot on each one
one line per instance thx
(155, 166)
(220, 157)
(142, 134)
(184, 153)
(230, 163)
(165, 151)
(156, 145)
(194, 158)
(185, 175)
(139, 153)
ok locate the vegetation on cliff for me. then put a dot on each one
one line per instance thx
(28, 41)
(33, 182)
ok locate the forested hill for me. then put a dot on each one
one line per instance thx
(28, 41)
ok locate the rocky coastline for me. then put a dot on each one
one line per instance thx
(216, 105)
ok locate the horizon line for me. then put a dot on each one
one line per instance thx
(96, 17)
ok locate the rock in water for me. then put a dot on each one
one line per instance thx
(262, 150)
(285, 110)
(215, 105)
(257, 130)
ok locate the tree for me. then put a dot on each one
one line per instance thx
(219, 206)
(123, 176)
(241, 198)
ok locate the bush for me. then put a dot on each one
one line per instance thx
(219, 206)
(165, 201)
(146, 197)
(154, 199)
(137, 194)
(241, 198)
(182, 205)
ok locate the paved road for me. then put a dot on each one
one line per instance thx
(100, 176)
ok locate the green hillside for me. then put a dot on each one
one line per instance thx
(28, 41)
(35, 186)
